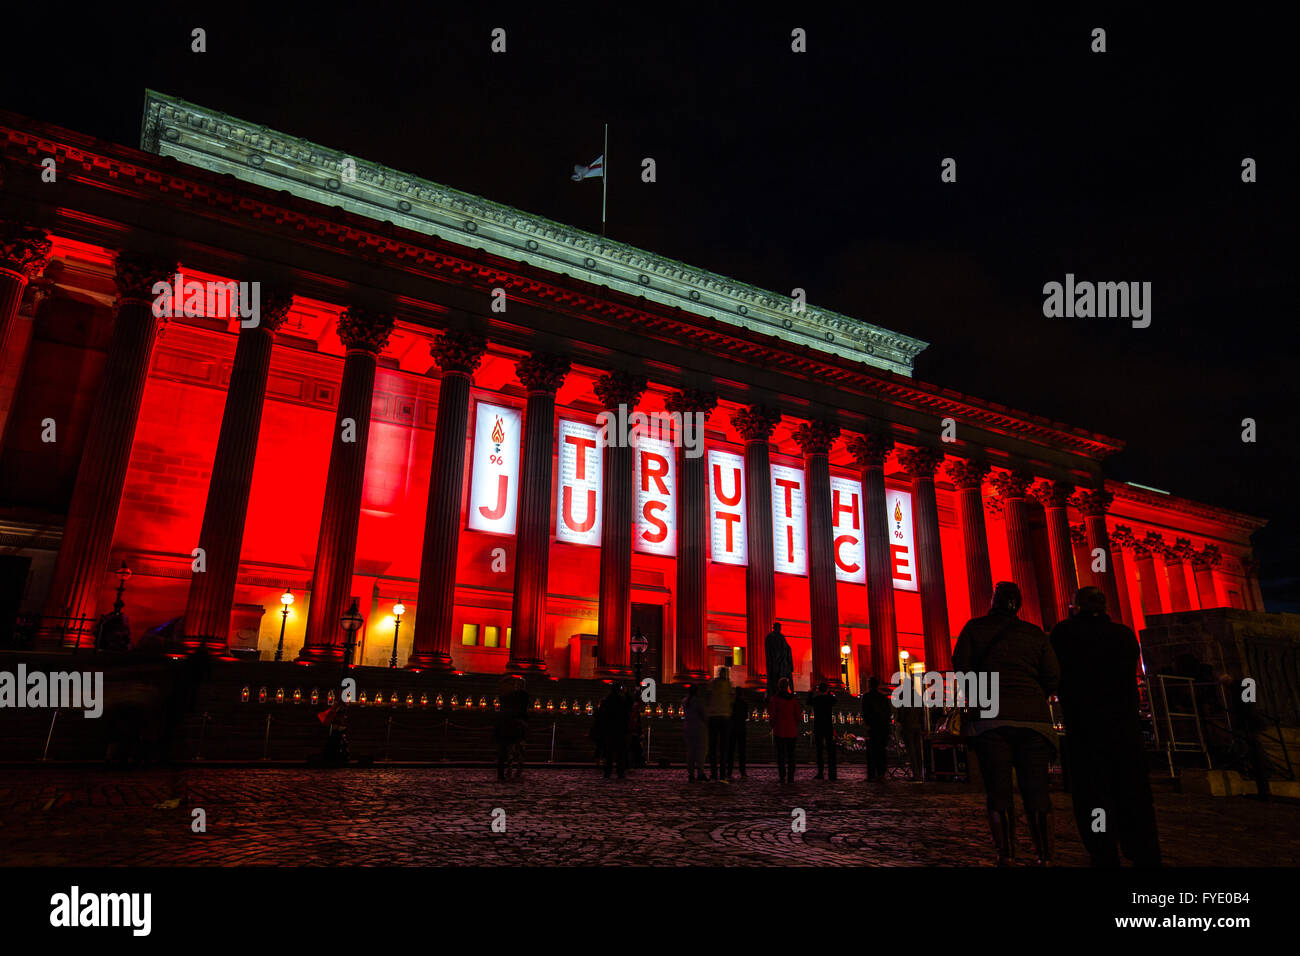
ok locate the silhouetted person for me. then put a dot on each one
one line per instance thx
(737, 732)
(695, 724)
(785, 712)
(878, 715)
(822, 703)
(611, 731)
(512, 720)
(1021, 736)
(780, 662)
(1103, 733)
(335, 753)
(910, 715)
(721, 696)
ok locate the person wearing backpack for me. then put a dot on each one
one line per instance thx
(1014, 729)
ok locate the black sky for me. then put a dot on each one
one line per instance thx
(821, 171)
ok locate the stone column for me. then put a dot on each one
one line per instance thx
(1094, 505)
(212, 591)
(364, 335)
(968, 478)
(1012, 487)
(24, 253)
(815, 440)
(1250, 567)
(614, 617)
(755, 425)
(1203, 564)
(1055, 498)
(1174, 555)
(1148, 587)
(542, 375)
(920, 464)
(97, 494)
(458, 354)
(1082, 559)
(870, 451)
(692, 541)
(1118, 543)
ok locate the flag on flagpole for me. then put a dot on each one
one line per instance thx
(597, 168)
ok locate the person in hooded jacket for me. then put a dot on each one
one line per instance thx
(1014, 729)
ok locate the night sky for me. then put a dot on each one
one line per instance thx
(821, 170)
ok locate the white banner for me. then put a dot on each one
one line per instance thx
(656, 484)
(727, 508)
(850, 534)
(789, 546)
(494, 478)
(902, 551)
(578, 498)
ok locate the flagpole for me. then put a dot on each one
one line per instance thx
(604, 181)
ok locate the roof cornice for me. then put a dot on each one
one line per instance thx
(226, 144)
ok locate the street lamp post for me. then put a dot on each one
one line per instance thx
(398, 610)
(351, 622)
(845, 650)
(286, 599)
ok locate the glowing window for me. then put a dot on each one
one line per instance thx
(507, 637)
(469, 635)
(491, 637)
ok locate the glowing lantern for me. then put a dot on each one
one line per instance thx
(550, 704)
(591, 709)
(424, 701)
(329, 699)
(279, 695)
(297, 695)
(261, 695)
(315, 696)
(454, 702)
(564, 706)
(659, 710)
(362, 699)
(469, 702)
(243, 694)
(496, 703)
(410, 701)
(482, 703)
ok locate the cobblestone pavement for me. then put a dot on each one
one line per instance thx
(54, 817)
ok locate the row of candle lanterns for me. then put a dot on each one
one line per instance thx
(576, 708)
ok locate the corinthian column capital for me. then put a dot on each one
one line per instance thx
(687, 400)
(1011, 484)
(920, 462)
(870, 450)
(1093, 503)
(137, 275)
(542, 372)
(816, 438)
(24, 249)
(458, 352)
(619, 388)
(1053, 494)
(1208, 557)
(755, 423)
(365, 331)
(966, 473)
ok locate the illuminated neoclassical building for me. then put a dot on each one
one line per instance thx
(413, 418)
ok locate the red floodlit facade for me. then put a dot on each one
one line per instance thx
(389, 432)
